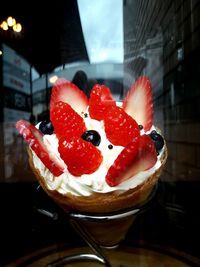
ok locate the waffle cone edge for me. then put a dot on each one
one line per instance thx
(102, 202)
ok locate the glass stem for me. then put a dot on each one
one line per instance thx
(91, 243)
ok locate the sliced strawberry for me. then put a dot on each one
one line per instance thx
(66, 121)
(144, 159)
(80, 156)
(139, 102)
(100, 101)
(120, 128)
(34, 138)
(68, 92)
(125, 158)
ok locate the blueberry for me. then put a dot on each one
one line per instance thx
(157, 139)
(46, 127)
(92, 136)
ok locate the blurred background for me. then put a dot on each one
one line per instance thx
(111, 42)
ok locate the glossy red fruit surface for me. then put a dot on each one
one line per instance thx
(35, 140)
(144, 159)
(120, 128)
(66, 121)
(125, 158)
(100, 101)
(80, 156)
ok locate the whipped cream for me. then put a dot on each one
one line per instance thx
(86, 184)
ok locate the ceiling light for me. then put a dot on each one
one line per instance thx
(4, 25)
(53, 79)
(17, 27)
(11, 21)
(11, 24)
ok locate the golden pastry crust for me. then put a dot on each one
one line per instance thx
(102, 202)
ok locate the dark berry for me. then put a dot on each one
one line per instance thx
(110, 146)
(157, 139)
(92, 136)
(46, 127)
(140, 126)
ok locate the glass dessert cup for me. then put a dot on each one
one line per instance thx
(102, 220)
(101, 232)
(108, 230)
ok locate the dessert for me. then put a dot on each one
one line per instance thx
(96, 155)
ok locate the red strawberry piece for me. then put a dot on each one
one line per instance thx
(66, 121)
(80, 156)
(100, 101)
(125, 158)
(139, 102)
(34, 138)
(145, 158)
(68, 92)
(120, 128)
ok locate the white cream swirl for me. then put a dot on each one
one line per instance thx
(86, 184)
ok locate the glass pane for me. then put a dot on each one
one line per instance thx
(112, 43)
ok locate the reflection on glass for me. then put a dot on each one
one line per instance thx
(103, 30)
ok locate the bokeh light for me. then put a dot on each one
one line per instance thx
(11, 24)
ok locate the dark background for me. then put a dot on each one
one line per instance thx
(51, 35)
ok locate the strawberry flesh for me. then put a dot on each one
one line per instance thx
(35, 140)
(124, 159)
(120, 128)
(139, 102)
(66, 121)
(68, 92)
(80, 156)
(145, 158)
(101, 100)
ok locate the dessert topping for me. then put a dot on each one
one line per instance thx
(139, 155)
(66, 121)
(68, 92)
(77, 145)
(110, 146)
(120, 128)
(34, 138)
(139, 103)
(46, 127)
(157, 139)
(80, 156)
(85, 115)
(101, 100)
(124, 159)
(92, 136)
